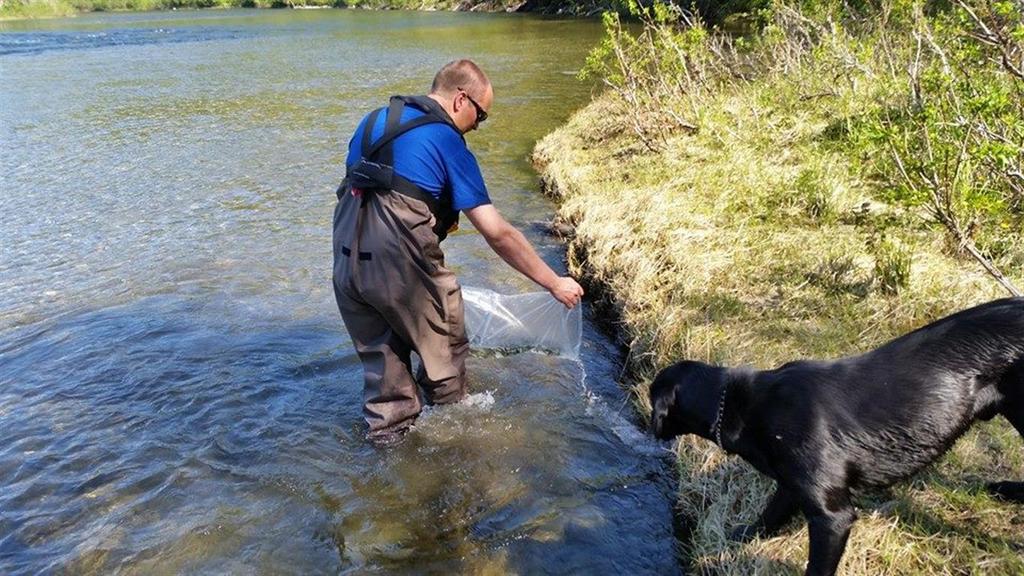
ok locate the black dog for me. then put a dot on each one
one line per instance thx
(821, 429)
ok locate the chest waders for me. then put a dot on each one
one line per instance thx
(393, 290)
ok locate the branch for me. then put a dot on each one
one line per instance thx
(968, 245)
(995, 38)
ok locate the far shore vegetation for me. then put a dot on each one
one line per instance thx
(850, 172)
(10, 9)
(24, 9)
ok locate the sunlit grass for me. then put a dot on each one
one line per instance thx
(761, 239)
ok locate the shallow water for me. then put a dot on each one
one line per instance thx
(177, 392)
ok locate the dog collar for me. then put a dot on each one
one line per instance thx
(716, 427)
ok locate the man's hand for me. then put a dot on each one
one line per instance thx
(516, 250)
(567, 291)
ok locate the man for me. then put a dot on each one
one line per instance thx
(408, 175)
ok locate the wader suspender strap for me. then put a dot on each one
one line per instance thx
(368, 133)
(384, 145)
(375, 169)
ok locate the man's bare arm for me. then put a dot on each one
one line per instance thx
(516, 250)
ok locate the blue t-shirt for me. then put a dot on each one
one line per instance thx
(431, 156)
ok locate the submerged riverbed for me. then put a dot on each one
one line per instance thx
(177, 392)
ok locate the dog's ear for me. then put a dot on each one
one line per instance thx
(664, 400)
(661, 395)
(657, 420)
(680, 396)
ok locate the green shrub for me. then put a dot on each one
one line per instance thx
(35, 8)
(952, 145)
(658, 72)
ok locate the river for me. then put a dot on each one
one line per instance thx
(177, 391)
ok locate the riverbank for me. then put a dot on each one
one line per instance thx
(23, 9)
(760, 233)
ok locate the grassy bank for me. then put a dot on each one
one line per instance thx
(767, 225)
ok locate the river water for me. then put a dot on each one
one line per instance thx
(177, 392)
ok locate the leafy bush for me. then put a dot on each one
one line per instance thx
(955, 139)
(658, 72)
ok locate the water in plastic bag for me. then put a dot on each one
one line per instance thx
(522, 321)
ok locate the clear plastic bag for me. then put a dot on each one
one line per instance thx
(522, 321)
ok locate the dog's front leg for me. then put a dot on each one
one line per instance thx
(1014, 412)
(781, 507)
(829, 526)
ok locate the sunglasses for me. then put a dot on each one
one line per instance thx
(481, 114)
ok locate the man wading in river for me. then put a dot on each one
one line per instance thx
(408, 175)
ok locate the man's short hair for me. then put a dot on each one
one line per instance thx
(458, 74)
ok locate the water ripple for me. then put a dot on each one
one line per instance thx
(36, 42)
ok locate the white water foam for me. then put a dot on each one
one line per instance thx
(621, 426)
(481, 400)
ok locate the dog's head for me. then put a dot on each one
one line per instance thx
(681, 396)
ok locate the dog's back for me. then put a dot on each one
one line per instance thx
(887, 413)
(986, 334)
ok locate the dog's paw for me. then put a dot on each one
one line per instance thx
(1012, 491)
(743, 533)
